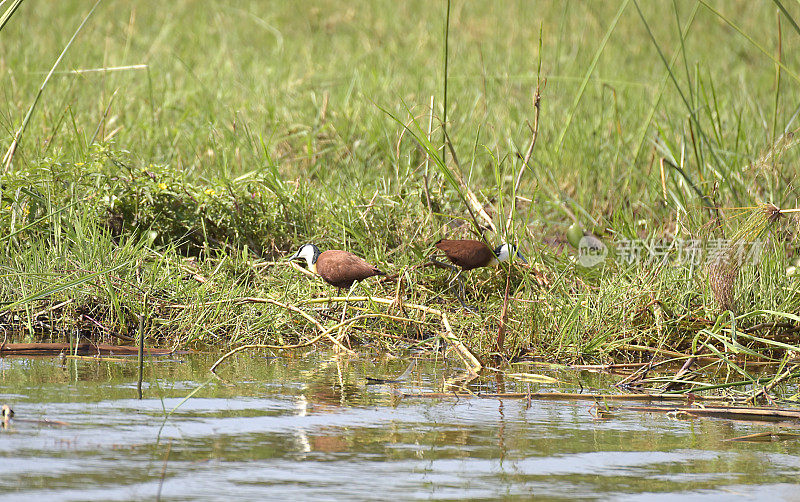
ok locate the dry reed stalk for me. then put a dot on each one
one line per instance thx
(569, 396)
(765, 436)
(729, 412)
(253, 299)
(325, 333)
(472, 362)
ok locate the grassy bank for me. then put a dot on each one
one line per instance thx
(212, 141)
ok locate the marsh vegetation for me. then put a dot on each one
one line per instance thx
(177, 153)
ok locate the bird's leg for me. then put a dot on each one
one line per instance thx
(451, 268)
(344, 306)
(341, 331)
(341, 321)
(460, 294)
(328, 308)
(455, 278)
(458, 277)
(442, 264)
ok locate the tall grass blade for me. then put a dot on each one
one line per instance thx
(661, 87)
(695, 121)
(751, 40)
(422, 140)
(9, 156)
(588, 74)
(444, 100)
(9, 12)
(39, 220)
(788, 16)
(61, 287)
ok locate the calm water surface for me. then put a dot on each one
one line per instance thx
(309, 427)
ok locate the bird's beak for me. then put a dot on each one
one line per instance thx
(519, 255)
(294, 256)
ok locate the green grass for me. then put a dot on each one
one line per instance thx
(237, 131)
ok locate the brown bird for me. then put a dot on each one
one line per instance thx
(468, 254)
(338, 268)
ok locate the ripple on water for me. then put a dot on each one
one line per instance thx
(312, 430)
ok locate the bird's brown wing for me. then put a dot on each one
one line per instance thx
(342, 269)
(466, 253)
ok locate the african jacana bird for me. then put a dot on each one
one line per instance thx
(338, 268)
(469, 254)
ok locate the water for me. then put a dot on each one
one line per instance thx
(308, 427)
